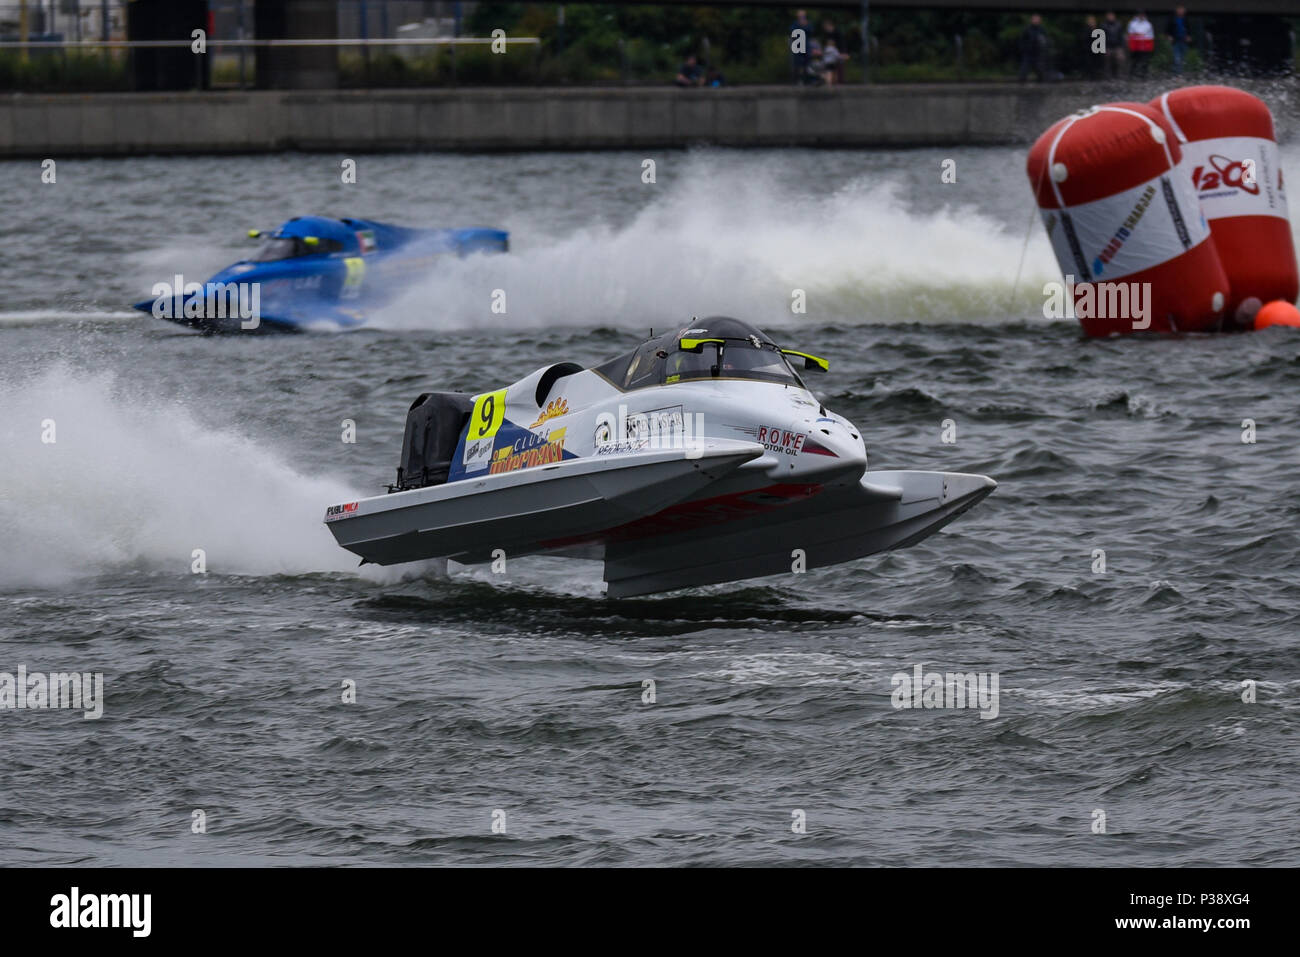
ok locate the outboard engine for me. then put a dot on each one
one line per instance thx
(433, 427)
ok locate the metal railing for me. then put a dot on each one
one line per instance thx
(214, 47)
(342, 42)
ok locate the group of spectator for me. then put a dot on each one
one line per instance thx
(815, 60)
(690, 73)
(1133, 44)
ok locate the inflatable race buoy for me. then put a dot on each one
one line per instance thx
(1125, 223)
(1230, 152)
(1277, 313)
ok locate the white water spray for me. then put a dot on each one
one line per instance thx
(134, 482)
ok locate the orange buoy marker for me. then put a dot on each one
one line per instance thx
(1277, 313)
(1230, 152)
(1125, 223)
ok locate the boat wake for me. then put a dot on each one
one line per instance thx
(743, 246)
(26, 317)
(134, 480)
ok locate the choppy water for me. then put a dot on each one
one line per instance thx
(1119, 691)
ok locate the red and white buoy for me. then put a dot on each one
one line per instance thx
(1230, 152)
(1125, 223)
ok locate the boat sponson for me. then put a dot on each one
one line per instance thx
(886, 510)
(517, 511)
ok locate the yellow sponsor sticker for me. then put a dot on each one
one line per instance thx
(356, 272)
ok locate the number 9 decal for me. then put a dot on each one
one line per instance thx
(489, 412)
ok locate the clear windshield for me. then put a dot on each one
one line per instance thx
(740, 360)
(276, 248)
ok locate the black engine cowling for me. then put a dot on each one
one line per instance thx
(433, 427)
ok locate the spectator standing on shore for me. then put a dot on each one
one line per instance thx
(1114, 45)
(689, 73)
(1180, 35)
(816, 65)
(832, 63)
(831, 38)
(830, 33)
(1033, 50)
(800, 38)
(1141, 44)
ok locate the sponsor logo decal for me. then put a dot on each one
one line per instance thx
(477, 454)
(1125, 230)
(1224, 174)
(778, 440)
(484, 422)
(340, 511)
(782, 441)
(354, 273)
(554, 409)
(666, 428)
(622, 448)
(511, 458)
(653, 423)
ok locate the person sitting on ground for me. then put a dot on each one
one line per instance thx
(689, 73)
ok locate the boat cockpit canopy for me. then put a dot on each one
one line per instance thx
(714, 348)
(276, 248)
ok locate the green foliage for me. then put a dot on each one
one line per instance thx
(225, 70)
(53, 72)
(475, 65)
(644, 44)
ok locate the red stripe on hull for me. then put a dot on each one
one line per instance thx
(691, 515)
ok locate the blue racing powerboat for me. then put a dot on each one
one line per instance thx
(315, 271)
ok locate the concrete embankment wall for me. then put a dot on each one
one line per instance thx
(34, 125)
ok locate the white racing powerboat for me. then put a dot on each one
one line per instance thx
(700, 457)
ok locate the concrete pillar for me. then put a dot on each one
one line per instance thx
(297, 68)
(167, 68)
